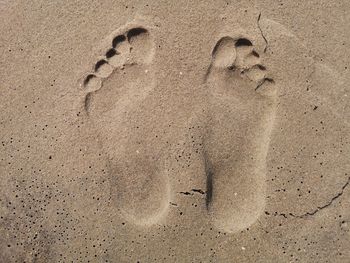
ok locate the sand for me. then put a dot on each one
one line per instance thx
(175, 131)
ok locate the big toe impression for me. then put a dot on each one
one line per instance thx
(224, 53)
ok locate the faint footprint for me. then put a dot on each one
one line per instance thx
(241, 111)
(121, 81)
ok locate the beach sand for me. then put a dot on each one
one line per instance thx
(175, 131)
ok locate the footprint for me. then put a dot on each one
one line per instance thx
(121, 81)
(242, 102)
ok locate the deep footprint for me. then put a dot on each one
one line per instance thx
(121, 80)
(241, 111)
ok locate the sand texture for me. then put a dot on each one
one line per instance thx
(175, 131)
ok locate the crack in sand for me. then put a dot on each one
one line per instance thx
(186, 193)
(319, 208)
(200, 191)
(262, 34)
